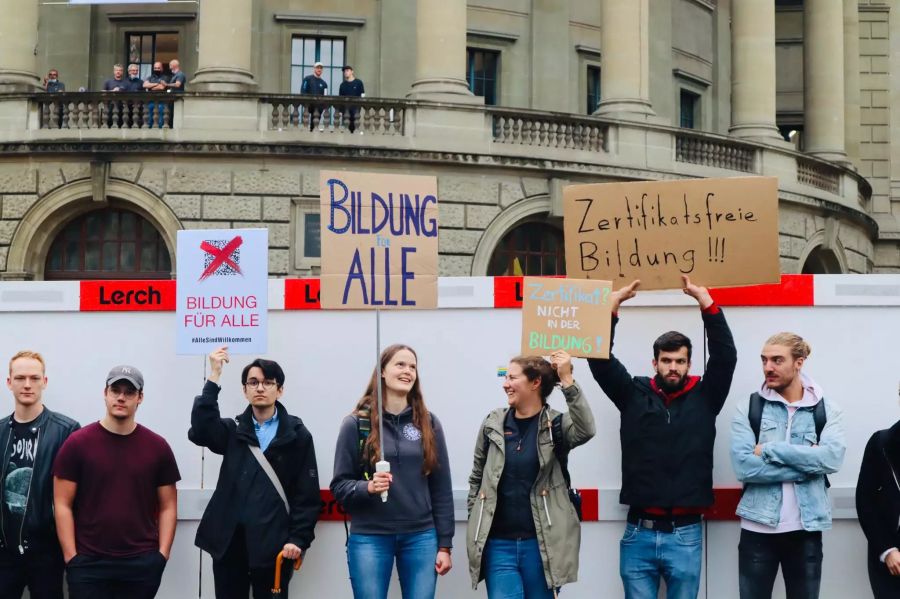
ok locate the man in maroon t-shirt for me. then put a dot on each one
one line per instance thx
(115, 499)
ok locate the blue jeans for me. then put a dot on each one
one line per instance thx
(513, 569)
(371, 560)
(645, 555)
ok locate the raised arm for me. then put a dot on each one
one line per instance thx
(611, 375)
(208, 428)
(749, 467)
(722, 352)
(825, 457)
(578, 421)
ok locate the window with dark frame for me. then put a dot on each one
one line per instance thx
(108, 244)
(536, 246)
(145, 48)
(690, 105)
(481, 73)
(307, 51)
(593, 88)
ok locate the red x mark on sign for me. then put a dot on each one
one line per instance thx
(221, 256)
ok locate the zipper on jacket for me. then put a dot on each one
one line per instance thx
(480, 515)
(37, 442)
(546, 510)
(668, 416)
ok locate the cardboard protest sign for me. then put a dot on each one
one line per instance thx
(379, 241)
(720, 232)
(569, 314)
(222, 291)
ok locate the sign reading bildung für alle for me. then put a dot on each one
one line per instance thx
(379, 241)
(222, 290)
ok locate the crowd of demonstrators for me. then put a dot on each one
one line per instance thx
(71, 513)
(415, 528)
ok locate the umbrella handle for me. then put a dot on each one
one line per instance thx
(276, 589)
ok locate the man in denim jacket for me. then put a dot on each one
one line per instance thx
(785, 505)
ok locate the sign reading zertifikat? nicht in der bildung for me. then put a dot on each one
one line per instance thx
(222, 291)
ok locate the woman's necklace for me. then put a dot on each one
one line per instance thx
(523, 432)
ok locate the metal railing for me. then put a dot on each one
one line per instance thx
(105, 110)
(368, 116)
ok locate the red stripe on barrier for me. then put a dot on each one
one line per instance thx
(590, 505)
(127, 296)
(794, 290)
(302, 294)
(331, 510)
(507, 292)
(725, 504)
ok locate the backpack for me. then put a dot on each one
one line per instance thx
(562, 456)
(754, 414)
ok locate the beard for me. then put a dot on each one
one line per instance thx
(670, 386)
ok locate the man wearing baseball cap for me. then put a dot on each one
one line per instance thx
(115, 499)
(314, 85)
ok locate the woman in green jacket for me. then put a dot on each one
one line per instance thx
(524, 535)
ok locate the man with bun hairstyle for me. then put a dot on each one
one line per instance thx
(668, 431)
(784, 442)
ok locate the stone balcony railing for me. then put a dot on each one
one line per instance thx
(563, 146)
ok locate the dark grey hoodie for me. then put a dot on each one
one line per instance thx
(415, 502)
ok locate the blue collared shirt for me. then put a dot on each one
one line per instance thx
(265, 431)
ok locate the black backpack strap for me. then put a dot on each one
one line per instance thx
(560, 449)
(754, 413)
(820, 417)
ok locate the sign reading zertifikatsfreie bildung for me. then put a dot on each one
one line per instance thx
(720, 232)
(222, 290)
(379, 241)
(573, 315)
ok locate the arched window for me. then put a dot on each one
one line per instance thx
(538, 248)
(821, 262)
(108, 244)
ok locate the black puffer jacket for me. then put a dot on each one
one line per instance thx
(667, 448)
(39, 530)
(878, 491)
(244, 495)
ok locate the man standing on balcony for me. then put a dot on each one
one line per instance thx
(314, 85)
(177, 80)
(52, 84)
(117, 83)
(667, 433)
(353, 88)
(156, 82)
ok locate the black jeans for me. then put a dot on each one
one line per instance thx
(41, 570)
(135, 577)
(234, 577)
(884, 585)
(798, 553)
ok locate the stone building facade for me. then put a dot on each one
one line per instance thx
(582, 91)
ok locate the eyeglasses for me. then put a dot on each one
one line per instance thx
(255, 383)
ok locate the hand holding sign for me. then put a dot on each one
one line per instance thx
(217, 359)
(561, 362)
(701, 294)
(624, 294)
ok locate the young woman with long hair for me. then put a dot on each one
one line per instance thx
(414, 527)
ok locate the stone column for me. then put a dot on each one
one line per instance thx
(823, 79)
(441, 52)
(18, 40)
(851, 80)
(625, 66)
(753, 70)
(224, 59)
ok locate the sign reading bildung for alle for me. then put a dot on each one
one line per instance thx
(720, 232)
(573, 315)
(379, 241)
(222, 290)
